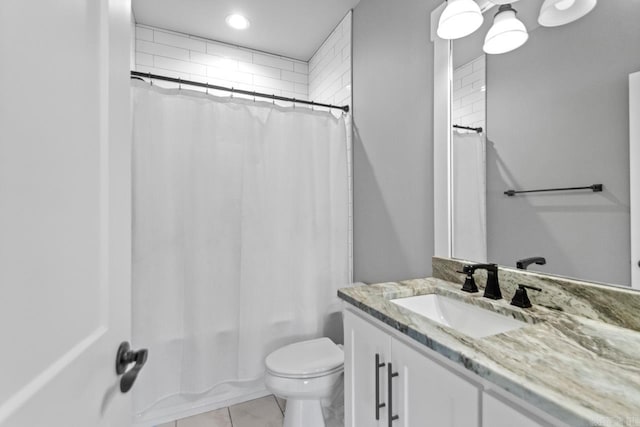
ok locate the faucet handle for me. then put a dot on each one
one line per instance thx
(469, 283)
(466, 269)
(520, 298)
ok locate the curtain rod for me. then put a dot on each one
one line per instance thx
(140, 75)
(479, 130)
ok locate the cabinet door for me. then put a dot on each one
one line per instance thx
(496, 413)
(363, 341)
(426, 394)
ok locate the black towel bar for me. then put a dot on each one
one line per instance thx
(595, 188)
(478, 129)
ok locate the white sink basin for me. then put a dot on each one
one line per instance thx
(465, 318)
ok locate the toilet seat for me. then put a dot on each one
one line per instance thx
(306, 359)
(306, 376)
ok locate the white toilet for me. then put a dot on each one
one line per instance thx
(304, 373)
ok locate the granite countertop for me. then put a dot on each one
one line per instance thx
(582, 371)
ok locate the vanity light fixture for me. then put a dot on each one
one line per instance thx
(237, 22)
(462, 17)
(559, 12)
(459, 19)
(507, 32)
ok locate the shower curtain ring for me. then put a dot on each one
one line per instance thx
(273, 98)
(294, 103)
(179, 83)
(150, 79)
(207, 88)
(254, 96)
(232, 91)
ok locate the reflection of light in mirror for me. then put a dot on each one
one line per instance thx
(483, 88)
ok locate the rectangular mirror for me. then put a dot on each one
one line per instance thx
(554, 113)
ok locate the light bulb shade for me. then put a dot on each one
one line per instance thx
(506, 34)
(559, 12)
(460, 18)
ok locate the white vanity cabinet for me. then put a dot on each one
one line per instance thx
(423, 393)
(427, 394)
(428, 390)
(365, 381)
(498, 413)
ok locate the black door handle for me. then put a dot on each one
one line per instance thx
(378, 404)
(124, 357)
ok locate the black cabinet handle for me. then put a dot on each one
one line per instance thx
(124, 357)
(378, 404)
(390, 376)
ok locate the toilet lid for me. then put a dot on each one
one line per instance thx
(304, 358)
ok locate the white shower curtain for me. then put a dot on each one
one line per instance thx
(469, 196)
(240, 240)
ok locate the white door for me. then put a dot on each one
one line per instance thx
(64, 211)
(365, 383)
(634, 156)
(426, 394)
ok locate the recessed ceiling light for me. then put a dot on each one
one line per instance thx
(238, 22)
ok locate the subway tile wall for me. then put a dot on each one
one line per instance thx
(330, 67)
(330, 82)
(468, 107)
(172, 54)
(325, 78)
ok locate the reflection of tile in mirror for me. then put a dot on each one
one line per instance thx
(469, 94)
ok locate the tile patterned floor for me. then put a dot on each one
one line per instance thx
(264, 412)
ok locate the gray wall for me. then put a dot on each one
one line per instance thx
(557, 115)
(393, 140)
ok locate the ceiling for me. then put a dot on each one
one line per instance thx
(292, 28)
